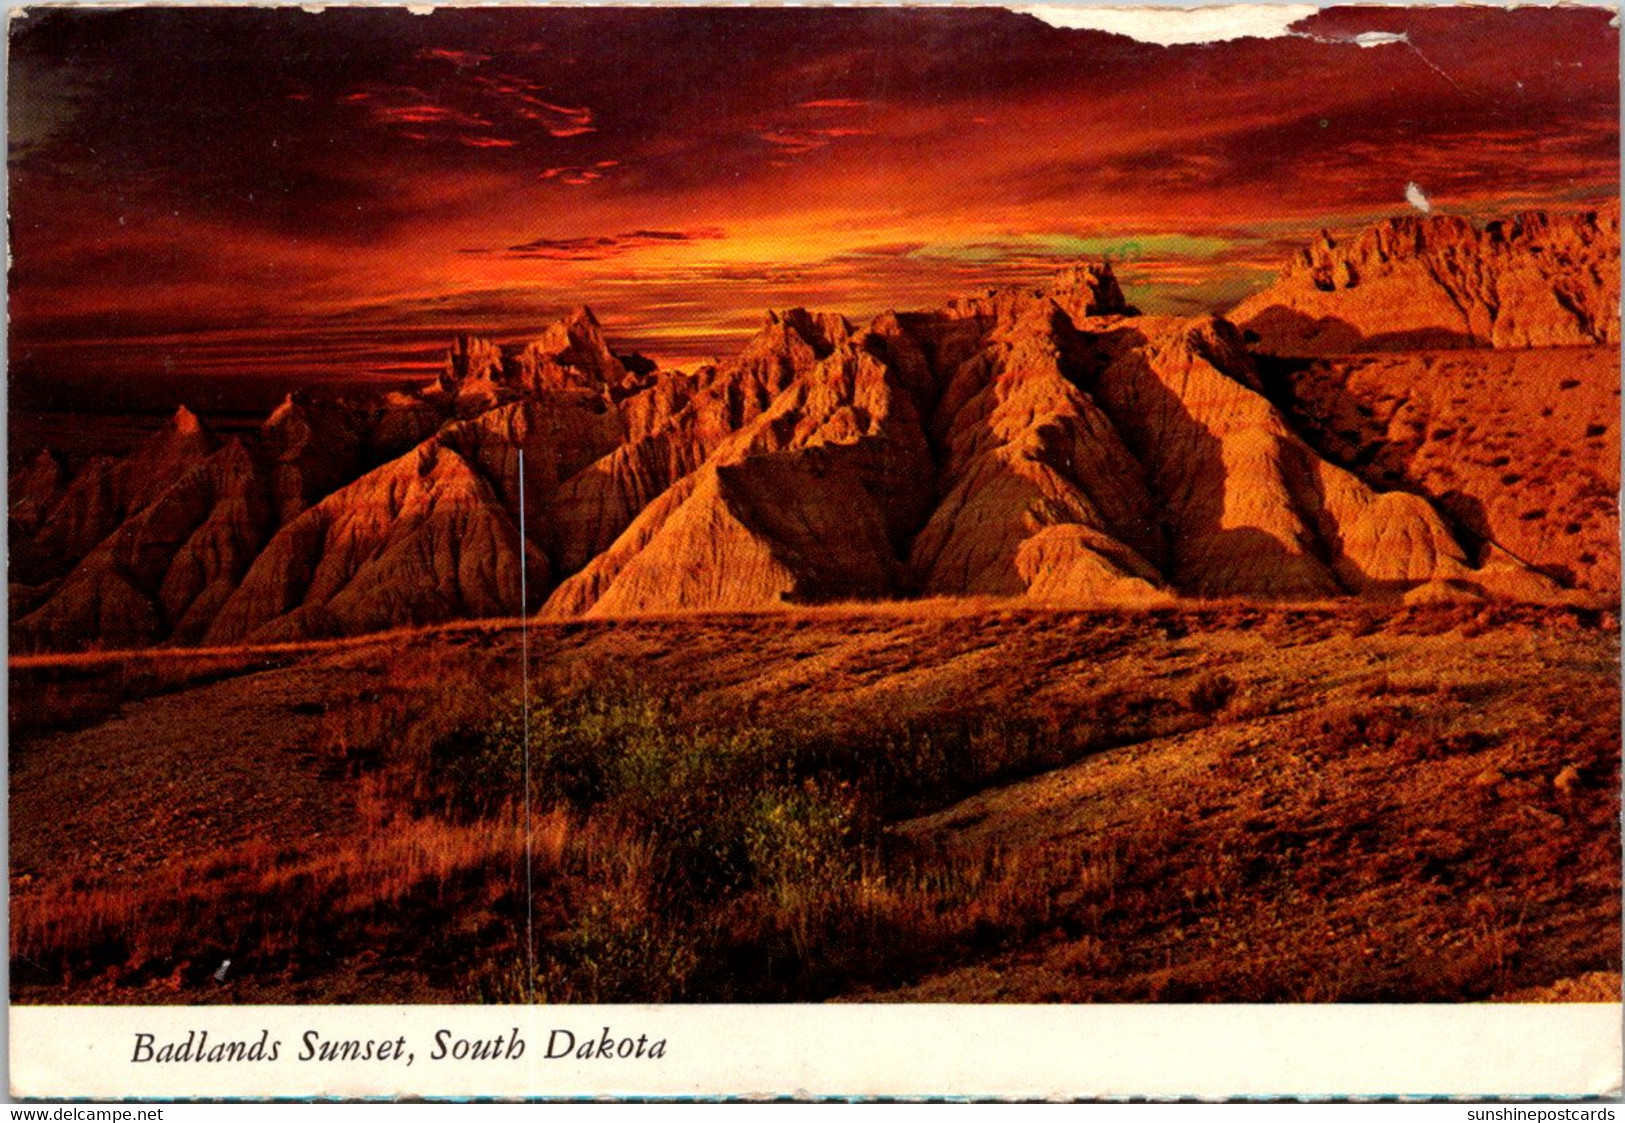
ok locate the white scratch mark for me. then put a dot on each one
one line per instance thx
(1415, 197)
(1431, 66)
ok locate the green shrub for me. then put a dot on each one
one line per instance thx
(617, 950)
(738, 861)
(801, 837)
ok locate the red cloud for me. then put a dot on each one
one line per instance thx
(580, 116)
(599, 247)
(456, 58)
(426, 115)
(579, 175)
(523, 99)
(489, 98)
(796, 142)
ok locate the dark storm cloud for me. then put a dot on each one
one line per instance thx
(224, 168)
(599, 247)
(269, 116)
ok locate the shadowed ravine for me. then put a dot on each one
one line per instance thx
(1047, 444)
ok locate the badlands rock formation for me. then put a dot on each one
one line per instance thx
(421, 538)
(1439, 281)
(1044, 442)
(811, 499)
(35, 490)
(104, 493)
(1520, 449)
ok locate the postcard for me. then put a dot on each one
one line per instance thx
(1038, 552)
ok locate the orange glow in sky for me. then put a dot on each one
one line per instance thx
(275, 197)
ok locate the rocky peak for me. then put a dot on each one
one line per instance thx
(789, 344)
(1082, 290)
(571, 353)
(286, 410)
(471, 359)
(185, 423)
(822, 332)
(294, 418)
(1330, 264)
(1440, 281)
(578, 330)
(1598, 227)
(35, 488)
(181, 441)
(1089, 289)
(48, 463)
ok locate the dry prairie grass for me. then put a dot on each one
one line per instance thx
(271, 909)
(69, 695)
(1230, 801)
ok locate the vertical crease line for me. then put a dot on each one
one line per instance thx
(524, 703)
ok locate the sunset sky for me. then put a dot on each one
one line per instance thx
(236, 201)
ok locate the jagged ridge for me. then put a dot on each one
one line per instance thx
(1533, 280)
(1044, 442)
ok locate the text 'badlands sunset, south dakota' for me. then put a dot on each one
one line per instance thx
(786, 505)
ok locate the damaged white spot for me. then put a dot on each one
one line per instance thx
(1191, 22)
(1415, 197)
(1169, 26)
(1378, 38)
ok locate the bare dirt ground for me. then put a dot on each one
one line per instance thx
(1320, 803)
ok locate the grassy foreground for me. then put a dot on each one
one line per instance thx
(1232, 805)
